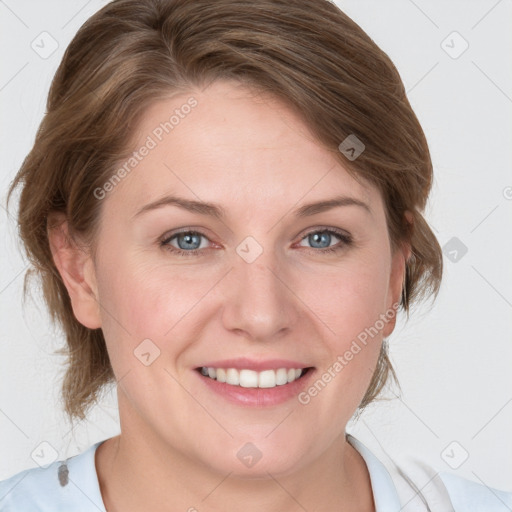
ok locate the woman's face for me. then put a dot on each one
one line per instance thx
(262, 286)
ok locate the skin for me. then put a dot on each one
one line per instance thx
(179, 440)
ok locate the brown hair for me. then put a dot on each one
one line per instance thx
(307, 53)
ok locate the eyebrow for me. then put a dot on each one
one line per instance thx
(217, 211)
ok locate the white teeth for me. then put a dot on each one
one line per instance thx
(251, 378)
(281, 376)
(232, 377)
(248, 379)
(267, 379)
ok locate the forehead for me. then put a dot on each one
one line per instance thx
(227, 144)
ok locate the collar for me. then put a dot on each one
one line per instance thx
(384, 492)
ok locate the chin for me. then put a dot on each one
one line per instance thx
(256, 459)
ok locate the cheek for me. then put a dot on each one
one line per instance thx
(351, 300)
(143, 299)
(351, 305)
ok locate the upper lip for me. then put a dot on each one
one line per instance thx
(244, 363)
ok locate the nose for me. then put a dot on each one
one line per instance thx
(261, 304)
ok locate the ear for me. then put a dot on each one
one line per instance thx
(76, 267)
(396, 280)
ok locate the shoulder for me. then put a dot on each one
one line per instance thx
(447, 492)
(408, 484)
(469, 496)
(30, 487)
(72, 485)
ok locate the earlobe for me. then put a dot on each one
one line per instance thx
(76, 268)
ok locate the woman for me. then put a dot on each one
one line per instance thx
(224, 201)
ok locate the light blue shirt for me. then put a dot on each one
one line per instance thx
(39, 489)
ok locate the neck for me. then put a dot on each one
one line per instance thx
(137, 470)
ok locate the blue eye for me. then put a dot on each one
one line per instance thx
(189, 243)
(188, 240)
(321, 239)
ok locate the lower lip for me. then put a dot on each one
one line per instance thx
(258, 397)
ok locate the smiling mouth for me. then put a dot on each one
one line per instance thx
(252, 379)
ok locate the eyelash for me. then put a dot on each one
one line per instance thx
(345, 241)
